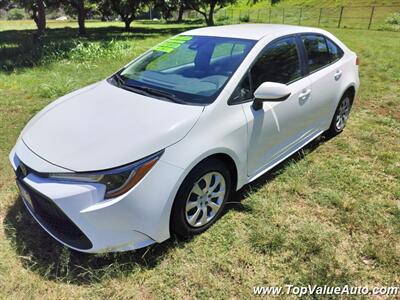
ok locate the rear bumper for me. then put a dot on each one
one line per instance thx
(76, 214)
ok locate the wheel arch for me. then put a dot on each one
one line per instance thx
(229, 162)
(228, 157)
(221, 156)
(351, 90)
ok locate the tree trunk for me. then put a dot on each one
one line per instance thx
(128, 22)
(81, 17)
(180, 12)
(40, 18)
(204, 14)
(210, 19)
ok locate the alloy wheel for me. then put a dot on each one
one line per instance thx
(342, 114)
(205, 199)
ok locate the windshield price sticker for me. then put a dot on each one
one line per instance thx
(173, 43)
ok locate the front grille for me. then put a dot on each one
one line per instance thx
(54, 219)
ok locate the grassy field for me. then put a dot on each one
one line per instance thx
(356, 14)
(329, 215)
(316, 3)
(352, 17)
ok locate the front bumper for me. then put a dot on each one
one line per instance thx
(77, 215)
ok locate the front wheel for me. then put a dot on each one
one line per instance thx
(340, 117)
(201, 198)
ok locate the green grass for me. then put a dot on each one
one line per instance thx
(329, 215)
(356, 14)
(316, 3)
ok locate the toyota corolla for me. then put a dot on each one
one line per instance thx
(159, 146)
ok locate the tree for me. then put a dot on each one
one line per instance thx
(81, 9)
(37, 10)
(181, 10)
(39, 16)
(105, 9)
(179, 6)
(166, 7)
(4, 4)
(127, 10)
(78, 8)
(207, 8)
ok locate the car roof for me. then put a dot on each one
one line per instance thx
(251, 31)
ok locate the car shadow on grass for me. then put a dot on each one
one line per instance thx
(41, 254)
(254, 186)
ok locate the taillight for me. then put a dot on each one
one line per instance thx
(357, 61)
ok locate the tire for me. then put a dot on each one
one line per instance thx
(193, 198)
(340, 117)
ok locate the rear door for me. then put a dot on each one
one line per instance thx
(322, 57)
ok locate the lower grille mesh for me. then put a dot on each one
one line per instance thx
(52, 217)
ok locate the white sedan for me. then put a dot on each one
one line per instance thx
(161, 145)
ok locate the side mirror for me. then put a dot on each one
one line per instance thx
(270, 91)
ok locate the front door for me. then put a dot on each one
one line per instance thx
(278, 127)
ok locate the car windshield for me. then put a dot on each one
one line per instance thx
(185, 69)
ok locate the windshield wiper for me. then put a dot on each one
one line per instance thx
(118, 78)
(134, 89)
(154, 92)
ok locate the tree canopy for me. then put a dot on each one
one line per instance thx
(207, 8)
(127, 10)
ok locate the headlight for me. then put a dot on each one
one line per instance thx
(117, 181)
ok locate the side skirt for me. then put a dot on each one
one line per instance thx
(284, 156)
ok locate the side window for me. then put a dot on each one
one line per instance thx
(317, 51)
(242, 91)
(335, 52)
(279, 63)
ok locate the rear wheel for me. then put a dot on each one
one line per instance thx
(340, 117)
(201, 198)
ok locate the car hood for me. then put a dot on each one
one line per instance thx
(102, 126)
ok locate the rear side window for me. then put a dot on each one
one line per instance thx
(334, 50)
(279, 63)
(317, 51)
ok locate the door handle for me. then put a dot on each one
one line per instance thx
(304, 95)
(338, 74)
